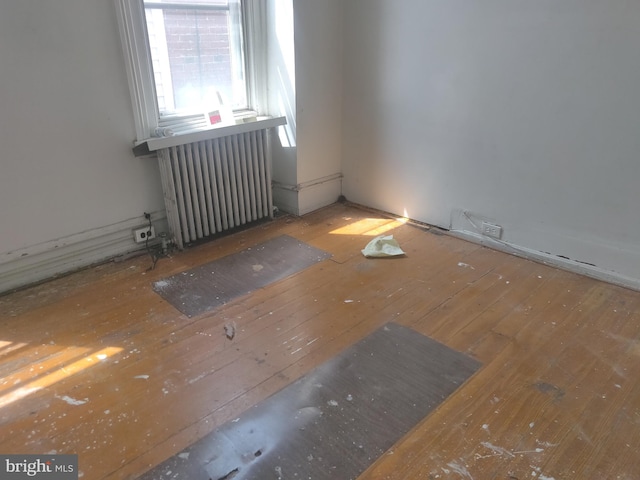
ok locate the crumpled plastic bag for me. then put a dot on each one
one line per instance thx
(382, 246)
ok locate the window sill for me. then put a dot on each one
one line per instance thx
(151, 145)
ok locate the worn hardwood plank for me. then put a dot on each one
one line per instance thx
(215, 283)
(336, 419)
(96, 363)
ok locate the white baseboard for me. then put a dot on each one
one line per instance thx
(43, 261)
(560, 262)
(308, 196)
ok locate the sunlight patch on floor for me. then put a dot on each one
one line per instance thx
(57, 375)
(8, 347)
(370, 227)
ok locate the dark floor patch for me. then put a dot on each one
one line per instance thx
(213, 284)
(556, 392)
(337, 420)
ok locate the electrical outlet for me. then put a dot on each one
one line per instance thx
(143, 234)
(491, 230)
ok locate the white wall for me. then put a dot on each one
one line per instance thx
(281, 66)
(68, 177)
(305, 84)
(71, 189)
(525, 113)
(522, 112)
(318, 56)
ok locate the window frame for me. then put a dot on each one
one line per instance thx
(139, 67)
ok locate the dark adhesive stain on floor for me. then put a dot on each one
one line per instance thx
(215, 283)
(335, 421)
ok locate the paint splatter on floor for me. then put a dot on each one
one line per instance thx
(72, 401)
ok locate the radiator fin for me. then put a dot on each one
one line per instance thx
(216, 185)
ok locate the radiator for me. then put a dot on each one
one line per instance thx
(211, 186)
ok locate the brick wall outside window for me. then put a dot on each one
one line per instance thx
(198, 47)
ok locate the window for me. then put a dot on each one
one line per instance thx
(185, 56)
(196, 52)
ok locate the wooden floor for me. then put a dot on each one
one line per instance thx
(98, 364)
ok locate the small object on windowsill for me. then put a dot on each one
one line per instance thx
(219, 112)
(213, 117)
(246, 117)
(160, 132)
(218, 118)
